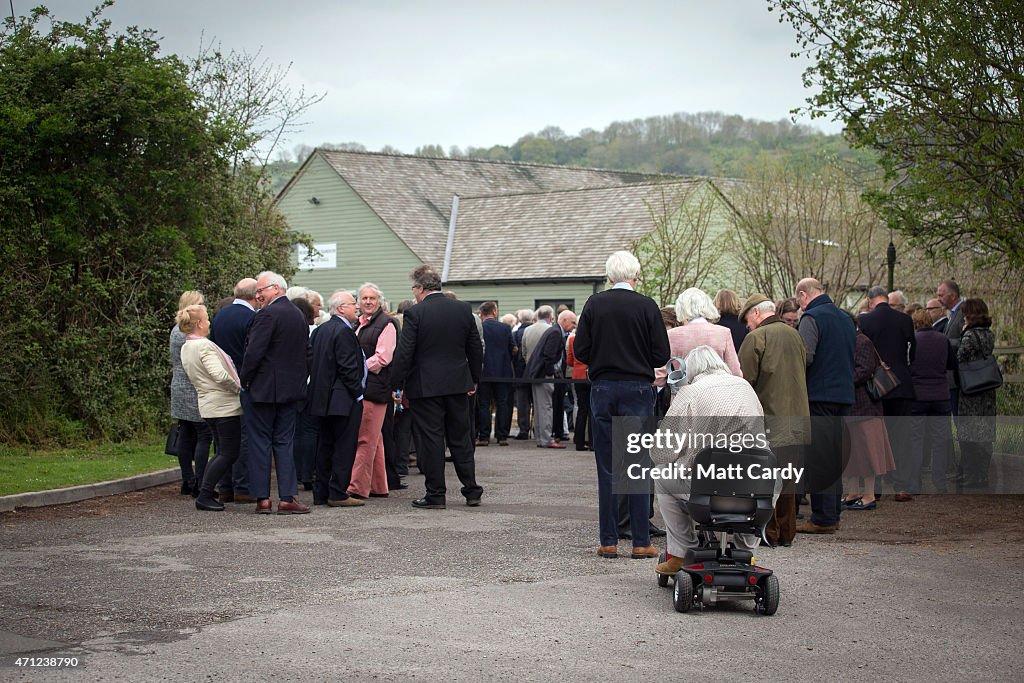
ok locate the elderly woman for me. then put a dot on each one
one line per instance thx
(714, 401)
(215, 379)
(976, 422)
(193, 435)
(698, 316)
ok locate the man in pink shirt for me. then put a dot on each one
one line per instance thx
(378, 337)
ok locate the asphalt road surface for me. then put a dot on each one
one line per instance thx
(142, 587)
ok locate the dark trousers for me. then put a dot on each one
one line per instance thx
(609, 399)
(227, 435)
(582, 431)
(194, 439)
(335, 454)
(781, 527)
(558, 412)
(387, 435)
(306, 429)
(524, 399)
(271, 428)
(824, 463)
(403, 440)
(236, 479)
(435, 421)
(498, 392)
(976, 459)
(908, 469)
(930, 434)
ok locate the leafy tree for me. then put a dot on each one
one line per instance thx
(119, 191)
(937, 88)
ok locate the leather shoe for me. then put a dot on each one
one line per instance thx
(349, 502)
(244, 498)
(226, 497)
(656, 532)
(609, 551)
(809, 527)
(670, 567)
(400, 486)
(425, 504)
(863, 506)
(264, 506)
(522, 436)
(473, 502)
(378, 495)
(903, 497)
(291, 507)
(644, 553)
(209, 504)
(482, 442)
(502, 442)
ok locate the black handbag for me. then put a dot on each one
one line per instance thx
(171, 448)
(980, 375)
(884, 381)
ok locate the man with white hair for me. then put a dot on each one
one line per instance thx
(774, 361)
(274, 374)
(898, 301)
(541, 347)
(524, 392)
(622, 337)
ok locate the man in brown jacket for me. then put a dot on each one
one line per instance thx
(774, 360)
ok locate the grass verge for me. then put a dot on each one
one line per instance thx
(23, 470)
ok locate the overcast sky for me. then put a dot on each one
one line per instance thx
(477, 73)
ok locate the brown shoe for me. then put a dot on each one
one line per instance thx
(903, 497)
(226, 497)
(349, 502)
(291, 507)
(644, 553)
(503, 442)
(483, 442)
(609, 551)
(809, 527)
(264, 506)
(244, 498)
(670, 567)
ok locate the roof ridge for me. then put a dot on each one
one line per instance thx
(485, 161)
(675, 180)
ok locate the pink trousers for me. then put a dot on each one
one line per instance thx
(368, 473)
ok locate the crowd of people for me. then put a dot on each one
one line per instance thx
(341, 399)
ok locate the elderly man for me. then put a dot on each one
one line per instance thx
(378, 337)
(948, 292)
(622, 337)
(498, 348)
(830, 339)
(937, 312)
(774, 361)
(335, 397)
(892, 334)
(898, 301)
(228, 331)
(438, 361)
(543, 392)
(273, 374)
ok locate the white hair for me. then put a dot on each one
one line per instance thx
(545, 313)
(337, 299)
(695, 303)
(370, 285)
(525, 315)
(765, 307)
(703, 360)
(273, 278)
(622, 266)
(297, 292)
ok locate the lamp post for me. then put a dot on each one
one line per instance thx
(890, 255)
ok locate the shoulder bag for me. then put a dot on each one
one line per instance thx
(884, 381)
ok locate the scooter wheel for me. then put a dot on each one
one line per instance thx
(769, 604)
(662, 578)
(682, 594)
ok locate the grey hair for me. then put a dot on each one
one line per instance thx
(297, 292)
(704, 361)
(337, 300)
(525, 315)
(622, 266)
(765, 307)
(369, 285)
(695, 303)
(274, 278)
(545, 313)
(878, 291)
(901, 298)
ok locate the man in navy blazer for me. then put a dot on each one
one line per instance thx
(892, 333)
(438, 361)
(498, 348)
(228, 331)
(274, 374)
(337, 379)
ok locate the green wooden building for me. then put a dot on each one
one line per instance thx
(518, 234)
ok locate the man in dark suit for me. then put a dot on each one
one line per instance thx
(274, 375)
(938, 314)
(523, 391)
(892, 333)
(438, 361)
(337, 379)
(228, 331)
(948, 292)
(498, 349)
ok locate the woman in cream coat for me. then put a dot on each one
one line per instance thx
(216, 381)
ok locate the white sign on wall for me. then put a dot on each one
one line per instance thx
(326, 258)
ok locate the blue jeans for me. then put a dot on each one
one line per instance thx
(609, 399)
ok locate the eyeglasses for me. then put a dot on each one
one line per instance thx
(273, 284)
(933, 308)
(351, 303)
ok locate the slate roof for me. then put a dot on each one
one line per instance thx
(413, 195)
(553, 235)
